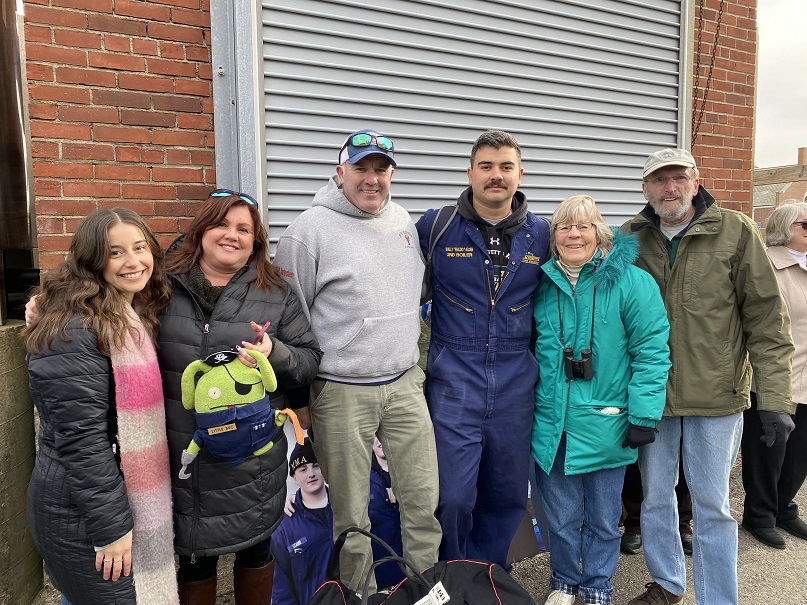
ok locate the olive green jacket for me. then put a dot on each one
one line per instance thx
(725, 310)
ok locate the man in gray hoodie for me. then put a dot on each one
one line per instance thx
(353, 259)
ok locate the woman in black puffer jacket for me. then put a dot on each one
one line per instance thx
(224, 290)
(98, 515)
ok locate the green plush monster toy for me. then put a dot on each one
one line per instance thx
(231, 405)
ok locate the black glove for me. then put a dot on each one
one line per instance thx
(777, 427)
(639, 435)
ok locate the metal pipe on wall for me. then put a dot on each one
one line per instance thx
(17, 226)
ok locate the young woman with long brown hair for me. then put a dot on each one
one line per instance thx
(99, 500)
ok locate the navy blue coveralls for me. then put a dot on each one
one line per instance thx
(480, 383)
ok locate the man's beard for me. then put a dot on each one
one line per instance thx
(672, 215)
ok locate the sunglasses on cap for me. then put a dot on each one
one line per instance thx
(226, 192)
(365, 139)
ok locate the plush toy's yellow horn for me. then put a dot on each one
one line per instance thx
(295, 422)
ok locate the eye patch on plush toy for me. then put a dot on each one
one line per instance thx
(234, 417)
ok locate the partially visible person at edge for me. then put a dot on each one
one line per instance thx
(481, 374)
(772, 476)
(385, 518)
(725, 311)
(99, 500)
(224, 289)
(301, 545)
(602, 349)
(353, 260)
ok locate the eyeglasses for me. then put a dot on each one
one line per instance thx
(678, 179)
(802, 223)
(226, 192)
(365, 140)
(581, 227)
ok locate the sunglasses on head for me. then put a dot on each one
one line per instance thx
(802, 223)
(226, 192)
(365, 140)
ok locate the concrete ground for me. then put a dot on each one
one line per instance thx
(766, 575)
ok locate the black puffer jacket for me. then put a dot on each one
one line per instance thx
(222, 508)
(76, 497)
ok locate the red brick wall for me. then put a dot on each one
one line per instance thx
(796, 191)
(121, 109)
(724, 145)
(762, 214)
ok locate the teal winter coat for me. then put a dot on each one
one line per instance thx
(630, 357)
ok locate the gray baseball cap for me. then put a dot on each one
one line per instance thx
(667, 157)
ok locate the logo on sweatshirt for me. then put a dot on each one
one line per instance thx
(407, 238)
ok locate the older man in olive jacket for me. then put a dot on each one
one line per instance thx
(725, 311)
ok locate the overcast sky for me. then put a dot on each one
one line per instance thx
(782, 86)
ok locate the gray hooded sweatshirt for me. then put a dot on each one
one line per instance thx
(359, 276)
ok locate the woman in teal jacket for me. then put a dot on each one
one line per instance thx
(603, 357)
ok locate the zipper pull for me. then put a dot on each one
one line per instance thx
(207, 328)
(193, 558)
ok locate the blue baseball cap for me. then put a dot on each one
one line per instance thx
(358, 147)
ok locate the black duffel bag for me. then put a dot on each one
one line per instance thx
(457, 582)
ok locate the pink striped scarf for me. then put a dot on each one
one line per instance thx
(144, 463)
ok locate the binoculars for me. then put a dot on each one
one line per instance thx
(582, 368)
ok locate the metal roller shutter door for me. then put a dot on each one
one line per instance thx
(588, 88)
